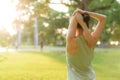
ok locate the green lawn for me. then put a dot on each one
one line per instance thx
(51, 65)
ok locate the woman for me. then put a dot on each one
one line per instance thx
(80, 44)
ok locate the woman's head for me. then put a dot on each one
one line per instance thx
(86, 19)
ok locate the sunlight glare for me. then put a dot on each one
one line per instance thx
(56, 5)
(59, 7)
(7, 15)
(59, 1)
(6, 50)
(118, 1)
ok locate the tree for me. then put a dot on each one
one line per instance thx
(31, 9)
(110, 8)
(58, 20)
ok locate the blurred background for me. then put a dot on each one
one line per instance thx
(33, 32)
(38, 23)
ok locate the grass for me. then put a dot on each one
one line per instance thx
(51, 65)
(107, 64)
(31, 66)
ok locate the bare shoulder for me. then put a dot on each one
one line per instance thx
(95, 38)
(71, 45)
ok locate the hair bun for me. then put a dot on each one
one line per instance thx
(86, 17)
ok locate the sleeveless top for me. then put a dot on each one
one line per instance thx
(80, 64)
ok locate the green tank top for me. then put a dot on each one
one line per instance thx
(80, 64)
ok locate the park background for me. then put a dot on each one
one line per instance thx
(28, 25)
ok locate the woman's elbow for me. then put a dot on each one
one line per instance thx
(103, 18)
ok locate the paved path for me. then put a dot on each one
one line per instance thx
(30, 48)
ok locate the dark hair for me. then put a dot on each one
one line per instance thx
(86, 19)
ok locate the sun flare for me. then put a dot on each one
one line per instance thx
(7, 15)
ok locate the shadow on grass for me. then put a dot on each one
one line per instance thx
(57, 55)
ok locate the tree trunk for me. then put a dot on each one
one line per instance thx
(36, 33)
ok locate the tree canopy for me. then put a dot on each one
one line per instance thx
(50, 22)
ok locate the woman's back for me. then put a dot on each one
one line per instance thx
(79, 64)
(80, 44)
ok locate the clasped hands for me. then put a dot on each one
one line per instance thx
(77, 15)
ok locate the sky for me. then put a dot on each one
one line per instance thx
(59, 7)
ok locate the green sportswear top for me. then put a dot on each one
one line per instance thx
(80, 64)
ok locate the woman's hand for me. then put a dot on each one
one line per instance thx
(74, 12)
(79, 18)
(80, 11)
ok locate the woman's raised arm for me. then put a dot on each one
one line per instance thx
(99, 27)
(72, 28)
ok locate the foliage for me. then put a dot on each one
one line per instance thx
(111, 9)
(4, 38)
(59, 20)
